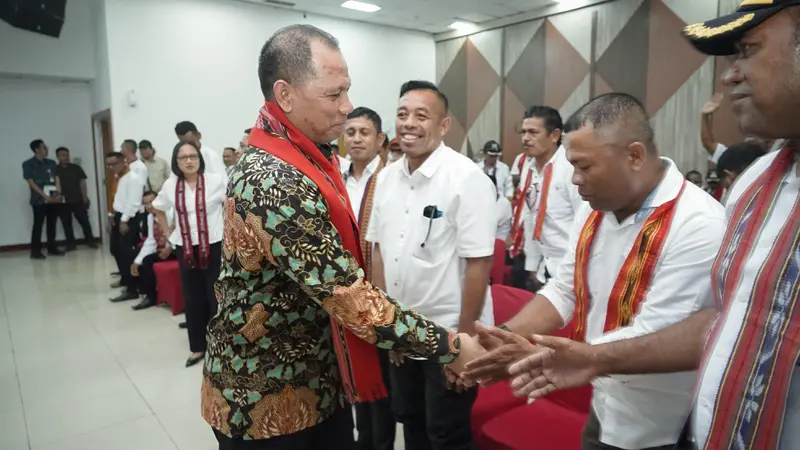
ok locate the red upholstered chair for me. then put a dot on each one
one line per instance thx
(168, 285)
(501, 274)
(542, 425)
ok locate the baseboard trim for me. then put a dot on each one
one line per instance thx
(21, 247)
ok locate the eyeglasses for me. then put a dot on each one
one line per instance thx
(188, 158)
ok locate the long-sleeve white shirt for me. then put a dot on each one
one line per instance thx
(150, 246)
(355, 187)
(563, 201)
(641, 411)
(502, 174)
(128, 198)
(140, 168)
(215, 186)
(213, 160)
(504, 217)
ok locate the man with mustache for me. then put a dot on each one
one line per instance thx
(298, 326)
(748, 393)
(639, 260)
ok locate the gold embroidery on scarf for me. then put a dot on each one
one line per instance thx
(699, 30)
(756, 2)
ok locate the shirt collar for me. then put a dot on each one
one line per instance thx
(368, 171)
(669, 188)
(552, 159)
(428, 168)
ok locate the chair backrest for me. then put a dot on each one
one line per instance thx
(508, 301)
(498, 262)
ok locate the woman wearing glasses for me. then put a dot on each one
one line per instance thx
(197, 198)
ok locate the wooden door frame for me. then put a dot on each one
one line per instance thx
(98, 151)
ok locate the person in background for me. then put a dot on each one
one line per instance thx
(157, 169)
(197, 198)
(243, 144)
(639, 260)
(497, 170)
(41, 174)
(128, 150)
(293, 301)
(433, 231)
(155, 248)
(125, 226)
(229, 158)
(713, 186)
(504, 217)
(735, 161)
(395, 152)
(187, 132)
(716, 149)
(76, 201)
(695, 177)
(384, 153)
(363, 137)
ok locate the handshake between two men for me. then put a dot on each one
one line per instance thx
(534, 369)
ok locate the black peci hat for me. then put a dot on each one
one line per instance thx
(719, 36)
(492, 148)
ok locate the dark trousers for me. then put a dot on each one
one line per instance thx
(433, 417)
(199, 300)
(336, 433)
(591, 437)
(375, 420)
(77, 209)
(42, 213)
(125, 253)
(147, 277)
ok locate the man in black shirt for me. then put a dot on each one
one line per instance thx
(73, 189)
(40, 173)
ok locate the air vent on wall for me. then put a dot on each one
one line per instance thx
(280, 3)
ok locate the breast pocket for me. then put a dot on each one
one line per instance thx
(433, 244)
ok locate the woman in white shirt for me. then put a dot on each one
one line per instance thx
(197, 198)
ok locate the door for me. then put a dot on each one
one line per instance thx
(103, 144)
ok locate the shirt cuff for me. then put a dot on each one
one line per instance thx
(124, 218)
(564, 308)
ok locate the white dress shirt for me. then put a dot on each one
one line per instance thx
(213, 160)
(355, 188)
(502, 174)
(563, 201)
(515, 169)
(140, 168)
(128, 198)
(641, 411)
(150, 246)
(502, 209)
(429, 277)
(216, 186)
(344, 164)
(735, 317)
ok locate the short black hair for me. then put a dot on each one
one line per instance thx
(144, 143)
(146, 193)
(130, 143)
(618, 108)
(115, 155)
(287, 56)
(62, 149)
(694, 172)
(247, 131)
(185, 127)
(550, 117)
(738, 157)
(176, 169)
(229, 148)
(36, 143)
(419, 85)
(372, 116)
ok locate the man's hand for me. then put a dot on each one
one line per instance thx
(396, 358)
(564, 364)
(134, 270)
(504, 348)
(124, 228)
(86, 202)
(711, 106)
(164, 253)
(470, 350)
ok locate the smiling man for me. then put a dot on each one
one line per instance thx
(298, 326)
(639, 260)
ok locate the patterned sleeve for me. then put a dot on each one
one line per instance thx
(288, 227)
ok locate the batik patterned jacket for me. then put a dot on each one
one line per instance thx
(270, 367)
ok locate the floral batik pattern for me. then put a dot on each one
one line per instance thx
(271, 368)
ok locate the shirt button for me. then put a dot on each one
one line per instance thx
(412, 188)
(396, 259)
(406, 211)
(397, 283)
(401, 235)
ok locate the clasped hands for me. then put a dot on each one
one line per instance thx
(533, 370)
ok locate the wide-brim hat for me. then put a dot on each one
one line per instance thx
(719, 36)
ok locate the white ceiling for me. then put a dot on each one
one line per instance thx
(432, 16)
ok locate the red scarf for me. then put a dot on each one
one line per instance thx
(275, 134)
(202, 223)
(518, 227)
(548, 175)
(634, 278)
(751, 400)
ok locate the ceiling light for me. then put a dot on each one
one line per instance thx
(464, 26)
(360, 6)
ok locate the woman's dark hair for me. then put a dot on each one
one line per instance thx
(176, 169)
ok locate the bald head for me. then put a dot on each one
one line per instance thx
(287, 56)
(619, 118)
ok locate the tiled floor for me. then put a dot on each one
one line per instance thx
(80, 373)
